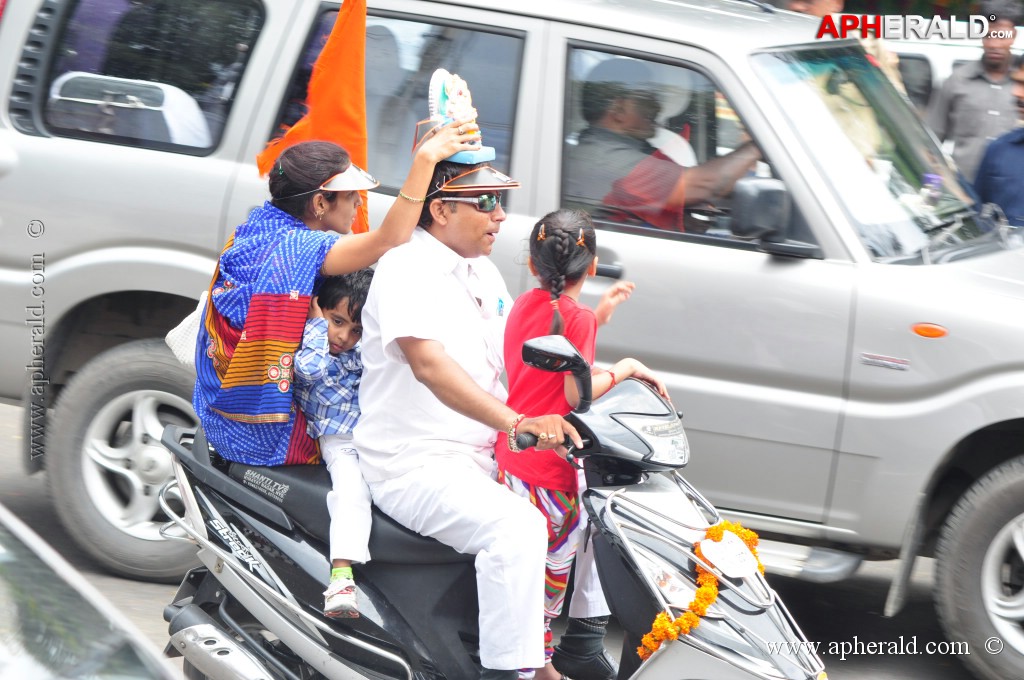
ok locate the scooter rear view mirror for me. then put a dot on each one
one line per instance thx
(556, 354)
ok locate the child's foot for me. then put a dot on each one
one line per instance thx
(340, 599)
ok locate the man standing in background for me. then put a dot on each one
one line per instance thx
(976, 103)
(1001, 173)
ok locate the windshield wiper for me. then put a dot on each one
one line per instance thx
(944, 229)
(988, 232)
(948, 221)
(938, 233)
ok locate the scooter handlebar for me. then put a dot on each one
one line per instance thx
(526, 440)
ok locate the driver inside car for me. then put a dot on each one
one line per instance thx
(632, 168)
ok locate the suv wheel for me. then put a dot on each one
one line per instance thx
(980, 569)
(105, 463)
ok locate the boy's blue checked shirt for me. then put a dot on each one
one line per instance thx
(327, 386)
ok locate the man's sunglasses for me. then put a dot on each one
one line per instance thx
(486, 203)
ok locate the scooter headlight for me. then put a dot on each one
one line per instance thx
(665, 437)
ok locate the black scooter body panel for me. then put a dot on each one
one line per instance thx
(301, 492)
(431, 600)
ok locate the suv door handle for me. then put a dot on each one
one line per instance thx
(611, 271)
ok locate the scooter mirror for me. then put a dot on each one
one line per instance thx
(556, 354)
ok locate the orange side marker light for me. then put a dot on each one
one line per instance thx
(930, 330)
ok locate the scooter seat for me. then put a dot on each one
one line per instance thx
(301, 492)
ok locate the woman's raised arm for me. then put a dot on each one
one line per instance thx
(357, 251)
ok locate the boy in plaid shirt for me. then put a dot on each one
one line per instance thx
(327, 372)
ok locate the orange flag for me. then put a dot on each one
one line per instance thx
(336, 103)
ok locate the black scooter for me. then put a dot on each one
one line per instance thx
(253, 611)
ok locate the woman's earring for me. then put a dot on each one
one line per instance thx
(319, 214)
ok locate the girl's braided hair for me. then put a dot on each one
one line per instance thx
(563, 244)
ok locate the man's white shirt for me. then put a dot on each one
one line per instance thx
(425, 290)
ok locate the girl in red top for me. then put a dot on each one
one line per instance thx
(563, 253)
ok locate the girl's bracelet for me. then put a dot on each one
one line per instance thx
(614, 381)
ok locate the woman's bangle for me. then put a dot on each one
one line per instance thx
(402, 194)
(614, 381)
(512, 446)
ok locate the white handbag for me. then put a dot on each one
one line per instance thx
(183, 337)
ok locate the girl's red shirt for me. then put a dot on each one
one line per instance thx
(535, 392)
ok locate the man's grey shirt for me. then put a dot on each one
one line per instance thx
(972, 109)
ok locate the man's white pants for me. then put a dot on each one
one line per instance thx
(348, 501)
(587, 594)
(453, 501)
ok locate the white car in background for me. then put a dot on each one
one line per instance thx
(55, 626)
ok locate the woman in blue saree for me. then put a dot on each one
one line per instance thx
(266, 276)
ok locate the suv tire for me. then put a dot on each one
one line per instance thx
(105, 464)
(980, 573)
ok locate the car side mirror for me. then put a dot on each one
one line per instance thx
(760, 208)
(761, 212)
(556, 354)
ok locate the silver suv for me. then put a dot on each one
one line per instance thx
(843, 330)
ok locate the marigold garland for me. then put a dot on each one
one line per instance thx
(666, 628)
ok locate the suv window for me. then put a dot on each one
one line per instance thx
(403, 54)
(916, 72)
(159, 74)
(634, 128)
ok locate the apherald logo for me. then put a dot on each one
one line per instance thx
(898, 26)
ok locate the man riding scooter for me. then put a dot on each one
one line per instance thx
(433, 402)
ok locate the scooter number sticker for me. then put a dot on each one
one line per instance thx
(731, 555)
